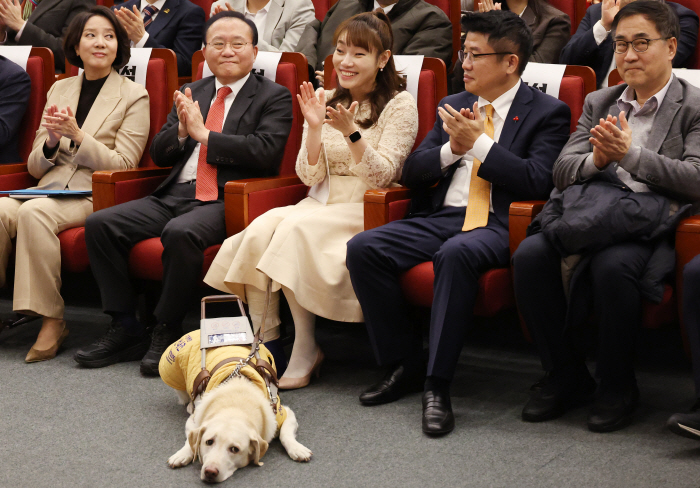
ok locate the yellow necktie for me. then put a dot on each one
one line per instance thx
(479, 189)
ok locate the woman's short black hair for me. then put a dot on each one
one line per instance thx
(233, 15)
(75, 32)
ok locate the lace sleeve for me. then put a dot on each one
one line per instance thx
(310, 175)
(381, 166)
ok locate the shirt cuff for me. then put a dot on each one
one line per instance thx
(181, 140)
(447, 158)
(588, 169)
(19, 32)
(630, 162)
(142, 42)
(599, 32)
(481, 147)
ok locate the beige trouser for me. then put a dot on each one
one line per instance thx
(36, 224)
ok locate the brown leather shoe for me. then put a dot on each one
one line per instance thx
(35, 355)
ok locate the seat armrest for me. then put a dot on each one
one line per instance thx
(118, 175)
(378, 203)
(108, 187)
(243, 187)
(8, 169)
(520, 215)
(247, 199)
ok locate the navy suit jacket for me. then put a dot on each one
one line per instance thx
(583, 50)
(519, 165)
(251, 143)
(15, 87)
(178, 26)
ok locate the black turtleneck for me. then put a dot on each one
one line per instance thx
(88, 94)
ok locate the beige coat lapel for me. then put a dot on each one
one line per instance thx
(108, 98)
(273, 17)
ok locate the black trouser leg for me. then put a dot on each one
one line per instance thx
(691, 314)
(615, 276)
(539, 293)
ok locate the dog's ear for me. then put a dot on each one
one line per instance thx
(195, 439)
(258, 448)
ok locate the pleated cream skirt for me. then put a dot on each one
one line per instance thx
(301, 247)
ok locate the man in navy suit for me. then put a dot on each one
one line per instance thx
(592, 44)
(169, 24)
(15, 87)
(512, 134)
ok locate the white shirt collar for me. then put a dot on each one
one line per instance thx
(158, 4)
(386, 9)
(235, 86)
(502, 104)
(261, 11)
(651, 106)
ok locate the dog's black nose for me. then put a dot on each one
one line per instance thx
(211, 473)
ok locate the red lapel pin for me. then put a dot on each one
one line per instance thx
(516, 118)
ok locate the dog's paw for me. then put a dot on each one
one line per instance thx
(300, 453)
(181, 458)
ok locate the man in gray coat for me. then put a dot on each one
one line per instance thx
(645, 135)
(418, 27)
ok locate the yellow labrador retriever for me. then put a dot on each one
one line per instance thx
(234, 421)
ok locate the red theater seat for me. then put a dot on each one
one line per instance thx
(453, 10)
(495, 286)
(145, 257)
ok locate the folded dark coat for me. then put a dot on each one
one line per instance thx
(586, 218)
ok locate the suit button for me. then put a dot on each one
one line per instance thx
(573, 179)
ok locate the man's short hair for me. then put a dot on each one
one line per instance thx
(663, 16)
(233, 15)
(506, 31)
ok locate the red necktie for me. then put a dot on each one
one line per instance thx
(207, 186)
(148, 12)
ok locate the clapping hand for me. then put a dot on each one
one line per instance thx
(463, 127)
(61, 124)
(609, 8)
(132, 22)
(190, 116)
(342, 119)
(223, 8)
(319, 78)
(11, 15)
(610, 143)
(488, 5)
(313, 108)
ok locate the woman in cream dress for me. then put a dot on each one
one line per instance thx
(302, 248)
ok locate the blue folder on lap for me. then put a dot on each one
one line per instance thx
(34, 193)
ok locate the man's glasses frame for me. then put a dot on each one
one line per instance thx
(640, 45)
(461, 55)
(236, 46)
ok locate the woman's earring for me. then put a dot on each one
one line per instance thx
(381, 69)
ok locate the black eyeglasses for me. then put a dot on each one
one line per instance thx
(461, 55)
(639, 45)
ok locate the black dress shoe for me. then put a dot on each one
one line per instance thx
(394, 385)
(163, 336)
(438, 418)
(686, 424)
(612, 410)
(557, 394)
(115, 346)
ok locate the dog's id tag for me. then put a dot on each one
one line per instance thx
(225, 331)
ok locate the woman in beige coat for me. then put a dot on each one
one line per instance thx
(96, 121)
(358, 140)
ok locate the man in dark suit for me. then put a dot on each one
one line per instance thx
(15, 87)
(187, 210)
(169, 24)
(44, 27)
(493, 144)
(641, 141)
(592, 45)
(418, 27)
